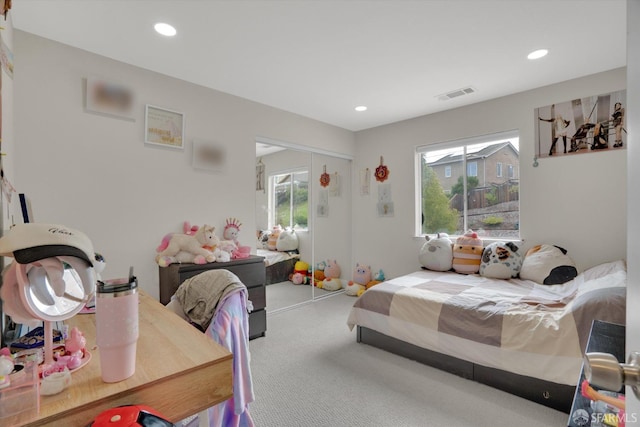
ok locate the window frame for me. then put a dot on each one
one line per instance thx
(271, 199)
(457, 143)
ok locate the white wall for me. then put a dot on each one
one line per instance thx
(577, 202)
(95, 174)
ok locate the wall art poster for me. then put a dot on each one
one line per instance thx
(584, 125)
(164, 127)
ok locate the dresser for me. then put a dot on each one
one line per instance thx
(251, 272)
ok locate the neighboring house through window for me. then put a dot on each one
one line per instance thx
(461, 185)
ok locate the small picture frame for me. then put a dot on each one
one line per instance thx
(209, 156)
(109, 98)
(163, 127)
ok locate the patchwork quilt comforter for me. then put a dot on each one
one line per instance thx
(515, 325)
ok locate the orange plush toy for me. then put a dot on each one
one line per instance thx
(467, 253)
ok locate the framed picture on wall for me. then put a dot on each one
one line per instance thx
(110, 98)
(592, 124)
(163, 127)
(209, 155)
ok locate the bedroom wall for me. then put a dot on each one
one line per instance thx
(577, 202)
(94, 173)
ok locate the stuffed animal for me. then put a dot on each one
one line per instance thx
(467, 253)
(501, 260)
(198, 248)
(361, 276)
(437, 254)
(272, 242)
(332, 269)
(318, 272)
(331, 273)
(378, 278)
(287, 240)
(189, 229)
(548, 265)
(230, 233)
(300, 274)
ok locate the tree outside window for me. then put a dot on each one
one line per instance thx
(289, 199)
(461, 186)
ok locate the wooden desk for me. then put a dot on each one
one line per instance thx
(179, 372)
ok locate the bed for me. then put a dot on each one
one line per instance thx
(515, 335)
(279, 264)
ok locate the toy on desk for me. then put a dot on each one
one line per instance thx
(6, 367)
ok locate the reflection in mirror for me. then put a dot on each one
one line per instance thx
(283, 223)
(302, 192)
(331, 188)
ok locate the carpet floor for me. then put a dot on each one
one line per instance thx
(310, 371)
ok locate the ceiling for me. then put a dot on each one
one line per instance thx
(321, 59)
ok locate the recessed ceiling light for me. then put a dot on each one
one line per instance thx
(361, 108)
(537, 54)
(165, 29)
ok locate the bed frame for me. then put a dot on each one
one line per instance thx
(556, 396)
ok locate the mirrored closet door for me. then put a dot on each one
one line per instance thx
(305, 195)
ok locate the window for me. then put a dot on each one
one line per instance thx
(472, 168)
(289, 199)
(469, 198)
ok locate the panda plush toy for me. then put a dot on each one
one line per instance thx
(548, 265)
(501, 260)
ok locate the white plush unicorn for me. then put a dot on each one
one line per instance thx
(198, 248)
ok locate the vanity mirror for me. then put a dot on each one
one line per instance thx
(308, 191)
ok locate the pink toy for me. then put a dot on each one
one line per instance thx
(189, 229)
(361, 276)
(76, 342)
(231, 232)
(332, 270)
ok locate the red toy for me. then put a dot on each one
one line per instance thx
(130, 416)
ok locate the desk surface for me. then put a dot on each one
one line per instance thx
(179, 372)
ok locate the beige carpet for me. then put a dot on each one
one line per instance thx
(309, 371)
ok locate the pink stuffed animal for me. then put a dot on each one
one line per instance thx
(361, 276)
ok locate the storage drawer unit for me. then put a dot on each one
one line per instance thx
(251, 272)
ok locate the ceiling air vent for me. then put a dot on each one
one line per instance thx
(456, 93)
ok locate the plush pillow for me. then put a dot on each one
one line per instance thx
(501, 260)
(548, 265)
(437, 253)
(263, 239)
(287, 240)
(467, 253)
(272, 242)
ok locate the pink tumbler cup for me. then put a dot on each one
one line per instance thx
(117, 327)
